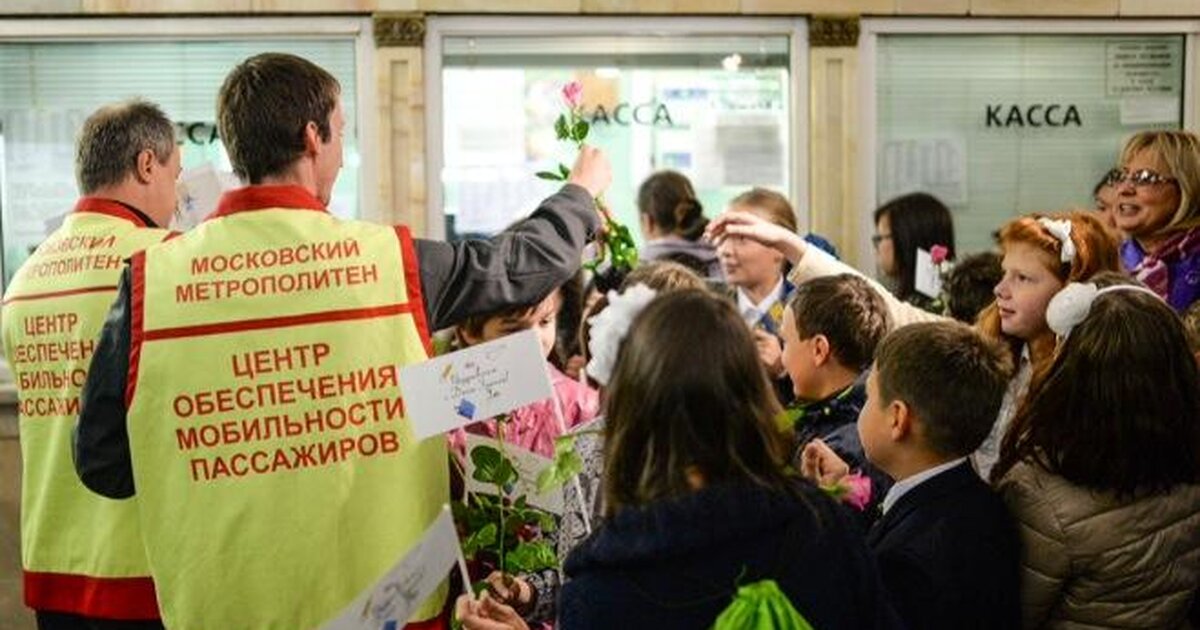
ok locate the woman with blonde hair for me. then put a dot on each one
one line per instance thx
(1158, 207)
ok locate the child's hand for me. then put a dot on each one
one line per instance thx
(736, 223)
(770, 352)
(820, 465)
(510, 590)
(487, 614)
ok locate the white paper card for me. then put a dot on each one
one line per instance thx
(928, 279)
(199, 191)
(473, 384)
(393, 600)
(528, 465)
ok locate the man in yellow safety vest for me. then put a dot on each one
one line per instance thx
(249, 385)
(82, 554)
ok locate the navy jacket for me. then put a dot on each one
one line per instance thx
(949, 554)
(676, 563)
(835, 421)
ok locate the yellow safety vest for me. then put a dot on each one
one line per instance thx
(81, 553)
(276, 474)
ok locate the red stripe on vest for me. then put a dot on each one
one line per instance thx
(137, 305)
(437, 623)
(54, 294)
(264, 198)
(102, 598)
(277, 322)
(412, 284)
(111, 208)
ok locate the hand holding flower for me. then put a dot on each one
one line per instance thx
(820, 465)
(592, 171)
(487, 614)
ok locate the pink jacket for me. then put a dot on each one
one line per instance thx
(534, 427)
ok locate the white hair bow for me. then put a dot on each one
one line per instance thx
(1071, 305)
(1061, 229)
(608, 329)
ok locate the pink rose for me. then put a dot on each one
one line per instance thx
(573, 94)
(939, 253)
(858, 490)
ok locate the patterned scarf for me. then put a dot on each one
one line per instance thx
(1152, 270)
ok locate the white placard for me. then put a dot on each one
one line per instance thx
(928, 280)
(477, 383)
(528, 465)
(198, 192)
(392, 600)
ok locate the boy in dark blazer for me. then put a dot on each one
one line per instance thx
(946, 546)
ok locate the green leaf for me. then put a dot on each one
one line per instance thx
(566, 464)
(492, 467)
(554, 177)
(580, 132)
(545, 520)
(564, 444)
(562, 128)
(480, 539)
(528, 557)
(564, 171)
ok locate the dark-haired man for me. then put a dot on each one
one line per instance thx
(249, 388)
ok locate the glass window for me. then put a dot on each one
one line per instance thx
(714, 108)
(48, 89)
(1002, 125)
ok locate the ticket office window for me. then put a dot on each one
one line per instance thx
(47, 90)
(1002, 125)
(716, 109)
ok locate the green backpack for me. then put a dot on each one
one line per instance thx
(761, 606)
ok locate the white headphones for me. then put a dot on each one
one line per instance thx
(1072, 304)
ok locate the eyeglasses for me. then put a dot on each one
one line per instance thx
(876, 239)
(1141, 177)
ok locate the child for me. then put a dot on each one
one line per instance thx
(533, 427)
(831, 328)
(756, 274)
(1041, 254)
(970, 285)
(672, 222)
(536, 594)
(947, 548)
(696, 498)
(1101, 467)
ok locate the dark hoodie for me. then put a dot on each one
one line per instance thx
(677, 563)
(699, 256)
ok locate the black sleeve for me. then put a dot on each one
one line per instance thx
(518, 266)
(101, 440)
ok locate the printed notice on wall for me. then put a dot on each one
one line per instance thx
(1144, 68)
(937, 166)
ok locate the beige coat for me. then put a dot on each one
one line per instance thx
(1095, 561)
(816, 264)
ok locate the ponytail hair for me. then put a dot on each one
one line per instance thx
(668, 198)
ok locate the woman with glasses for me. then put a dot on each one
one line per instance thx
(1158, 207)
(902, 226)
